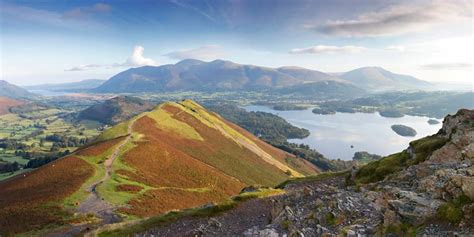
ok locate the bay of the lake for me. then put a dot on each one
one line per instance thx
(333, 135)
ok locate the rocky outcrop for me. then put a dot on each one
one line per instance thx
(446, 174)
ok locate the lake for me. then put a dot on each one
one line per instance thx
(333, 135)
(50, 93)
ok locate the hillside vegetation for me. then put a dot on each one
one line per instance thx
(425, 190)
(176, 156)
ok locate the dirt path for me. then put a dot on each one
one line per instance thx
(94, 203)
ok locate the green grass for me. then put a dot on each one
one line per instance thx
(425, 146)
(118, 130)
(453, 211)
(10, 157)
(403, 229)
(215, 122)
(129, 230)
(166, 122)
(98, 163)
(378, 170)
(108, 189)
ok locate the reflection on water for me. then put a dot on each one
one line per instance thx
(49, 93)
(333, 134)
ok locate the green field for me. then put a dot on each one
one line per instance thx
(31, 128)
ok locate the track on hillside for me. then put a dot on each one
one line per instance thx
(96, 205)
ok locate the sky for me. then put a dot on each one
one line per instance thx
(46, 41)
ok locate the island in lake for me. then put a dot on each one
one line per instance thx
(433, 121)
(391, 113)
(403, 130)
(323, 111)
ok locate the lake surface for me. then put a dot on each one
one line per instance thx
(332, 135)
(49, 93)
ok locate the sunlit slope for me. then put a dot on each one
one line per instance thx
(181, 156)
(34, 200)
(177, 156)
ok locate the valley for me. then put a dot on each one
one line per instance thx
(252, 118)
(35, 133)
(139, 163)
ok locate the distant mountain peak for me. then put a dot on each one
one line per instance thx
(12, 91)
(378, 78)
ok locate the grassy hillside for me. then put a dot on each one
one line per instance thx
(177, 156)
(33, 200)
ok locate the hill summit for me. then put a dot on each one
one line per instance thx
(115, 110)
(379, 79)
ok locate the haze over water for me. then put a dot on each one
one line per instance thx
(332, 135)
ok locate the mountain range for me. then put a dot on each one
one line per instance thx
(220, 75)
(379, 79)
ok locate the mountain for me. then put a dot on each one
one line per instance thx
(176, 156)
(217, 75)
(324, 90)
(70, 86)
(14, 92)
(379, 79)
(6, 103)
(425, 190)
(115, 110)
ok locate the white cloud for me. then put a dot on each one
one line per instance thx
(83, 67)
(399, 19)
(207, 52)
(137, 58)
(319, 49)
(447, 66)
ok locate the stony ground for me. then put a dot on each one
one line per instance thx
(307, 209)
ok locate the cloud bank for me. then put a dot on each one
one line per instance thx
(83, 67)
(207, 52)
(320, 49)
(398, 19)
(447, 66)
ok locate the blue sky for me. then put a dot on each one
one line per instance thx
(62, 41)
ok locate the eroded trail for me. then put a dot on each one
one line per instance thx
(94, 203)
